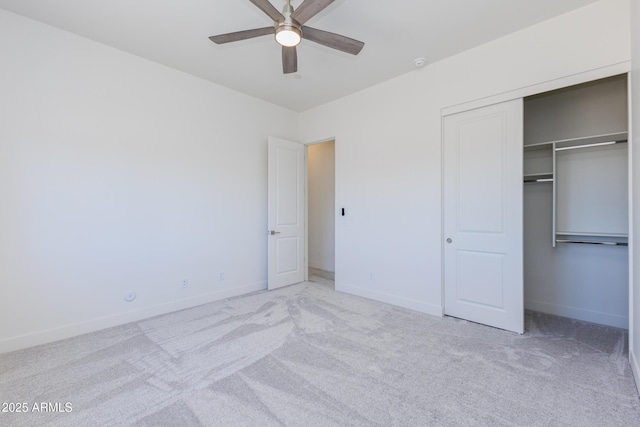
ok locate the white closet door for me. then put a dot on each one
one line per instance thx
(483, 215)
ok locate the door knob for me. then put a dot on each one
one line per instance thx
(449, 240)
(274, 232)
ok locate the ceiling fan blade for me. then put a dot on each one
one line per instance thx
(289, 60)
(308, 9)
(335, 41)
(267, 7)
(241, 35)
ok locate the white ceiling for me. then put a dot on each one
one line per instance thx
(175, 33)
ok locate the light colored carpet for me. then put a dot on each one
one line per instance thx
(308, 356)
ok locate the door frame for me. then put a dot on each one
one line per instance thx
(559, 83)
(306, 205)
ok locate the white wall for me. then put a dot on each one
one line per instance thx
(321, 202)
(388, 159)
(634, 309)
(119, 174)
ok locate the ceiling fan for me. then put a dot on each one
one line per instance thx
(289, 30)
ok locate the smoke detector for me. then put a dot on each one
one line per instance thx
(420, 62)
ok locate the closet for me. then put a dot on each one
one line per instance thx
(575, 210)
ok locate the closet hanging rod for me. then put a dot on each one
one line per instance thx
(538, 181)
(597, 144)
(586, 242)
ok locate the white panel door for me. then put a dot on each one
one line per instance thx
(483, 215)
(286, 213)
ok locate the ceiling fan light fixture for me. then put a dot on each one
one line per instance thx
(288, 35)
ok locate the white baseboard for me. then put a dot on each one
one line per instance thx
(635, 368)
(578, 313)
(411, 304)
(93, 325)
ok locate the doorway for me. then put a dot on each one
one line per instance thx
(321, 210)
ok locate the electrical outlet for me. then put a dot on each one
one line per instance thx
(221, 276)
(184, 283)
(130, 296)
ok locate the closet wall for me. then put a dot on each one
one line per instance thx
(576, 205)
